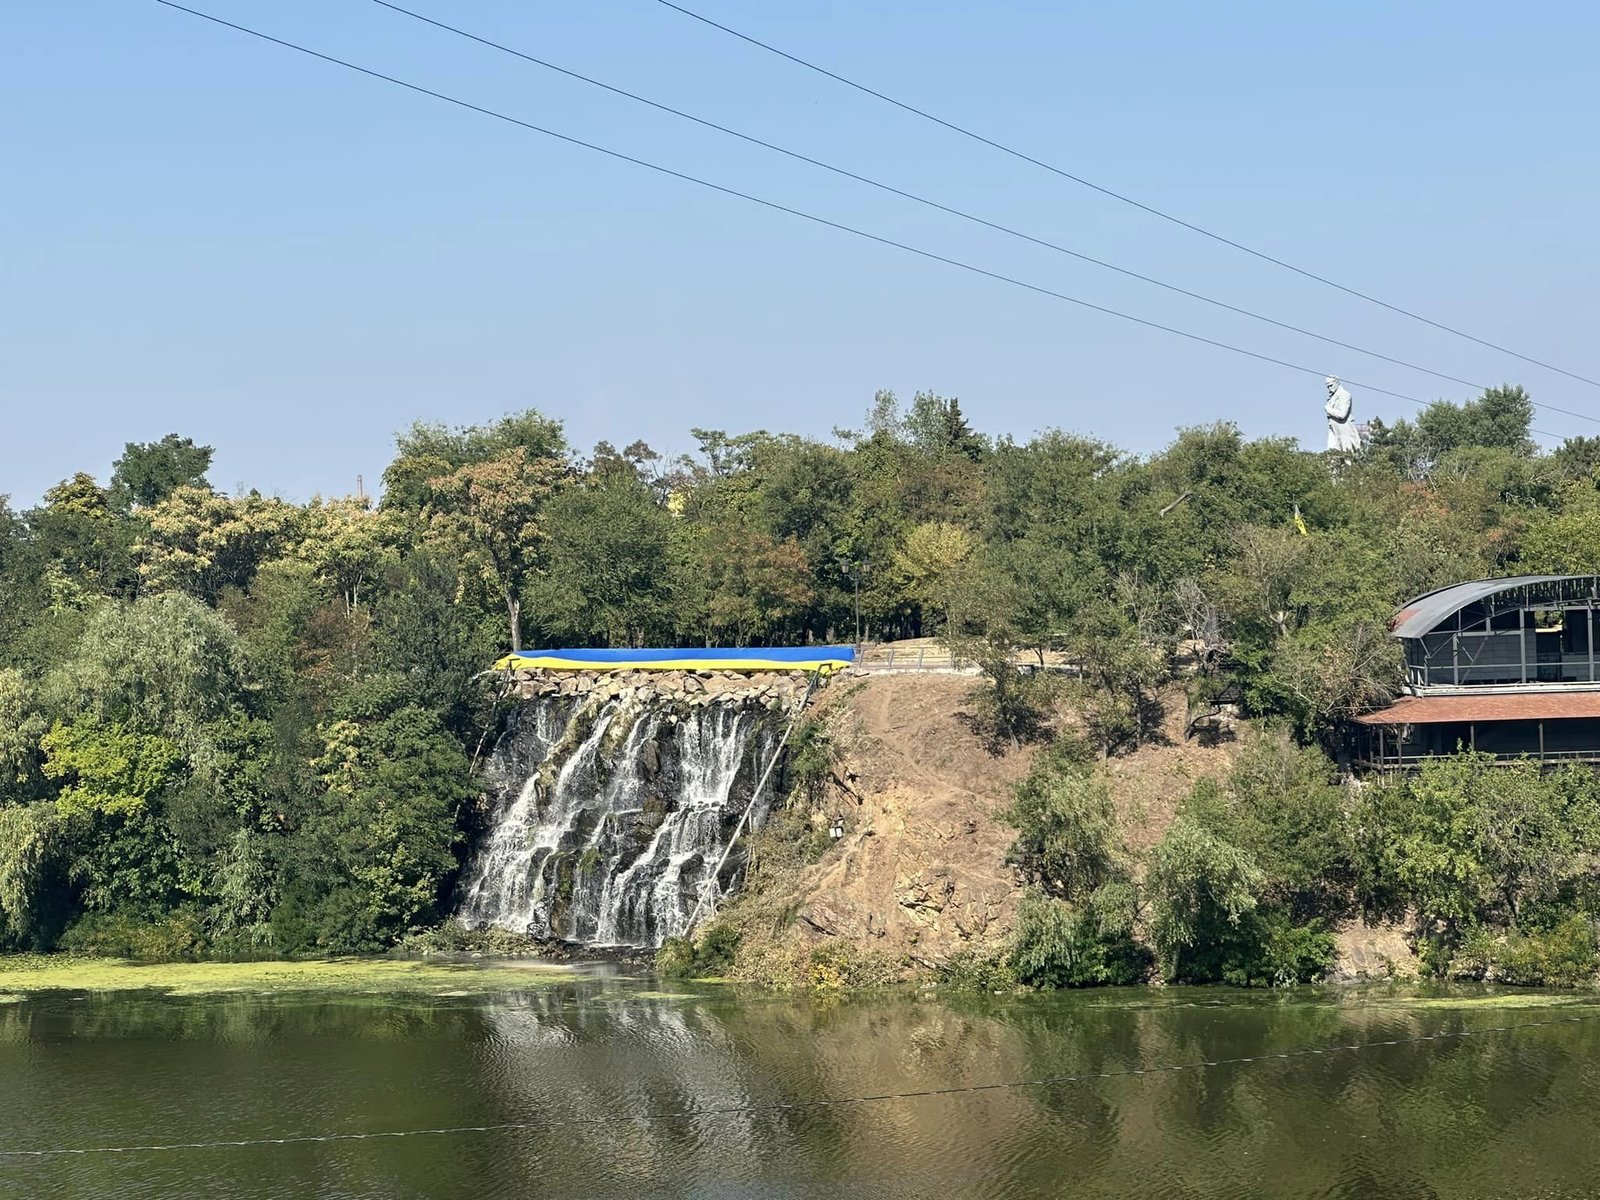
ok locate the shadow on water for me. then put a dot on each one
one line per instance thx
(608, 1087)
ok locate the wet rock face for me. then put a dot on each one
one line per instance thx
(609, 809)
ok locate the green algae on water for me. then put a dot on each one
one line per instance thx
(21, 975)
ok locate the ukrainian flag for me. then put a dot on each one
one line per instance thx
(715, 658)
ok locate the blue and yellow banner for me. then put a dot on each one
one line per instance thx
(712, 658)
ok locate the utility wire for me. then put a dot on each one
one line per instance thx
(785, 1105)
(930, 203)
(794, 212)
(1115, 195)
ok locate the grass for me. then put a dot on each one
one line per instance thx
(22, 975)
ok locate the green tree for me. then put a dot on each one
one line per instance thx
(375, 860)
(607, 556)
(1066, 825)
(33, 866)
(149, 472)
(489, 514)
(1200, 889)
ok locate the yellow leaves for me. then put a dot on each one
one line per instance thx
(932, 550)
(340, 760)
(199, 541)
(79, 496)
(487, 513)
(930, 561)
(347, 541)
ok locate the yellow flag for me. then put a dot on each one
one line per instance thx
(1299, 522)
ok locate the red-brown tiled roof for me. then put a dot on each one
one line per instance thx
(1496, 706)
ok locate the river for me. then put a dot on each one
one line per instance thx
(587, 1088)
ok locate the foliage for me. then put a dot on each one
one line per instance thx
(1467, 841)
(1058, 944)
(710, 954)
(1013, 707)
(33, 864)
(973, 970)
(1067, 839)
(1201, 888)
(487, 514)
(149, 472)
(235, 724)
(808, 766)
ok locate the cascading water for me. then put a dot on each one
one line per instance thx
(608, 814)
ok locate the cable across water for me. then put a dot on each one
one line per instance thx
(791, 1105)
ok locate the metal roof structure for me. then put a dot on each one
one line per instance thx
(1514, 706)
(1428, 611)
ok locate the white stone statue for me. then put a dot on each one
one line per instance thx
(1343, 436)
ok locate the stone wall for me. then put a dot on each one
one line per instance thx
(781, 691)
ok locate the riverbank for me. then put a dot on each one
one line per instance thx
(27, 974)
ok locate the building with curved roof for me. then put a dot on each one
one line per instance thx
(1506, 666)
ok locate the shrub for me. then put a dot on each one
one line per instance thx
(177, 934)
(976, 971)
(1565, 956)
(712, 954)
(838, 965)
(1058, 944)
(1066, 825)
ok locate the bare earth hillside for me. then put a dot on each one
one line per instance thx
(921, 872)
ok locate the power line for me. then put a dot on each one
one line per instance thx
(786, 1105)
(930, 203)
(1115, 195)
(932, 256)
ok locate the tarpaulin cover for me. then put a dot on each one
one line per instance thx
(716, 658)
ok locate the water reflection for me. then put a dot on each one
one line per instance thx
(613, 1084)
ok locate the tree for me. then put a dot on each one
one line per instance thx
(33, 864)
(149, 472)
(1200, 888)
(1566, 541)
(386, 831)
(164, 665)
(77, 533)
(348, 543)
(22, 724)
(489, 513)
(429, 451)
(1066, 826)
(607, 572)
(108, 770)
(931, 561)
(200, 542)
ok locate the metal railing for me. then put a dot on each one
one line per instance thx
(1411, 762)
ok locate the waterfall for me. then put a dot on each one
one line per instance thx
(607, 813)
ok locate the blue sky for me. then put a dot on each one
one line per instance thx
(205, 234)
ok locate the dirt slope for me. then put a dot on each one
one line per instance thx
(921, 873)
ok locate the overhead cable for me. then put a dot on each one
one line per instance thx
(931, 203)
(966, 132)
(686, 1114)
(794, 212)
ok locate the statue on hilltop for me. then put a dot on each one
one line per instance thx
(1343, 436)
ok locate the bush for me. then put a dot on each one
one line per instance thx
(1059, 945)
(1264, 949)
(810, 760)
(1565, 956)
(712, 955)
(1066, 825)
(975, 971)
(838, 965)
(178, 934)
